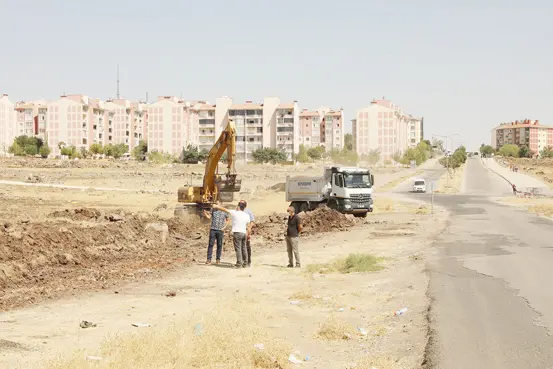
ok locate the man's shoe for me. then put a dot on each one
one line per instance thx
(208, 261)
(298, 266)
(289, 266)
(217, 261)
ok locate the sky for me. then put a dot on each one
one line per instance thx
(465, 66)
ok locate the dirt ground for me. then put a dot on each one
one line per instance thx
(67, 245)
(539, 168)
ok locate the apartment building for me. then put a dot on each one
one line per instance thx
(324, 127)
(385, 127)
(529, 133)
(172, 124)
(31, 118)
(265, 125)
(8, 124)
(128, 125)
(258, 125)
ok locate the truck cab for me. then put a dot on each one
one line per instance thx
(351, 190)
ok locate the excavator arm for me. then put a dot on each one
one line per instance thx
(213, 184)
(226, 142)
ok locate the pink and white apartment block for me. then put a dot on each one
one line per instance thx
(268, 124)
(128, 125)
(31, 118)
(172, 124)
(8, 124)
(383, 126)
(529, 133)
(324, 127)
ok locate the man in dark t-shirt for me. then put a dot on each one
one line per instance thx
(292, 236)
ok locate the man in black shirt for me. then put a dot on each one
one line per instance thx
(292, 237)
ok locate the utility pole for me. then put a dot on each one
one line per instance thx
(118, 81)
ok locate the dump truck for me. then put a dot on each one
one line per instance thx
(345, 189)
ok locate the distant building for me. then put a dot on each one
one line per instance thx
(128, 125)
(529, 133)
(269, 124)
(324, 127)
(173, 124)
(385, 127)
(31, 118)
(8, 129)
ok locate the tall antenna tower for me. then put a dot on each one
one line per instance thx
(118, 81)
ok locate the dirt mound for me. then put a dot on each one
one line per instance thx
(326, 220)
(321, 220)
(47, 260)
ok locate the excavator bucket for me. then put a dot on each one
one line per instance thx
(231, 183)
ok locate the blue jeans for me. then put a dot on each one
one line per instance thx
(215, 235)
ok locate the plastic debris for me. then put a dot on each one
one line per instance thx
(400, 312)
(294, 360)
(307, 357)
(362, 331)
(198, 329)
(141, 325)
(93, 358)
(341, 309)
(294, 302)
(259, 346)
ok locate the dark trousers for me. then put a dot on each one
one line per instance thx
(215, 235)
(240, 248)
(249, 249)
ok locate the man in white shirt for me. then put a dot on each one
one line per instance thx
(241, 227)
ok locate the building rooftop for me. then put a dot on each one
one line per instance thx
(309, 113)
(286, 106)
(247, 106)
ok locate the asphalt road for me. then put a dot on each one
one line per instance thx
(490, 274)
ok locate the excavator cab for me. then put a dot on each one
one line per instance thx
(215, 187)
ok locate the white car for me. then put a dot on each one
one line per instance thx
(419, 185)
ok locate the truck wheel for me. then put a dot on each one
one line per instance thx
(333, 204)
(304, 207)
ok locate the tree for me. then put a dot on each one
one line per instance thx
(45, 151)
(547, 152)
(191, 154)
(486, 150)
(269, 155)
(438, 145)
(373, 156)
(315, 153)
(302, 155)
(140, 150)
(454, 161)
(348, 141)
(116, 150)
(70, 151)
(25, 145)
(525, 152)
(509, 150)
(96, 149)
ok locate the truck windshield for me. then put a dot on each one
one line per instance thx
(419, 183)
(357, 180)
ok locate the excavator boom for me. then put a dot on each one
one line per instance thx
(213, 184)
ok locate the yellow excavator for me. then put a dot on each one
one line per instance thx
(215, 187)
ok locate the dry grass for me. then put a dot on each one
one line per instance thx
(334, 328)
(451, 182)
(391, 185)
(542, 209)
(421, 210)
(225, 339)
(353, 263)
(383, 205)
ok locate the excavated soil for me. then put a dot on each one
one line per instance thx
(87, 249)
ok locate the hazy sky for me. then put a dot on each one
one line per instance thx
(463, 65)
